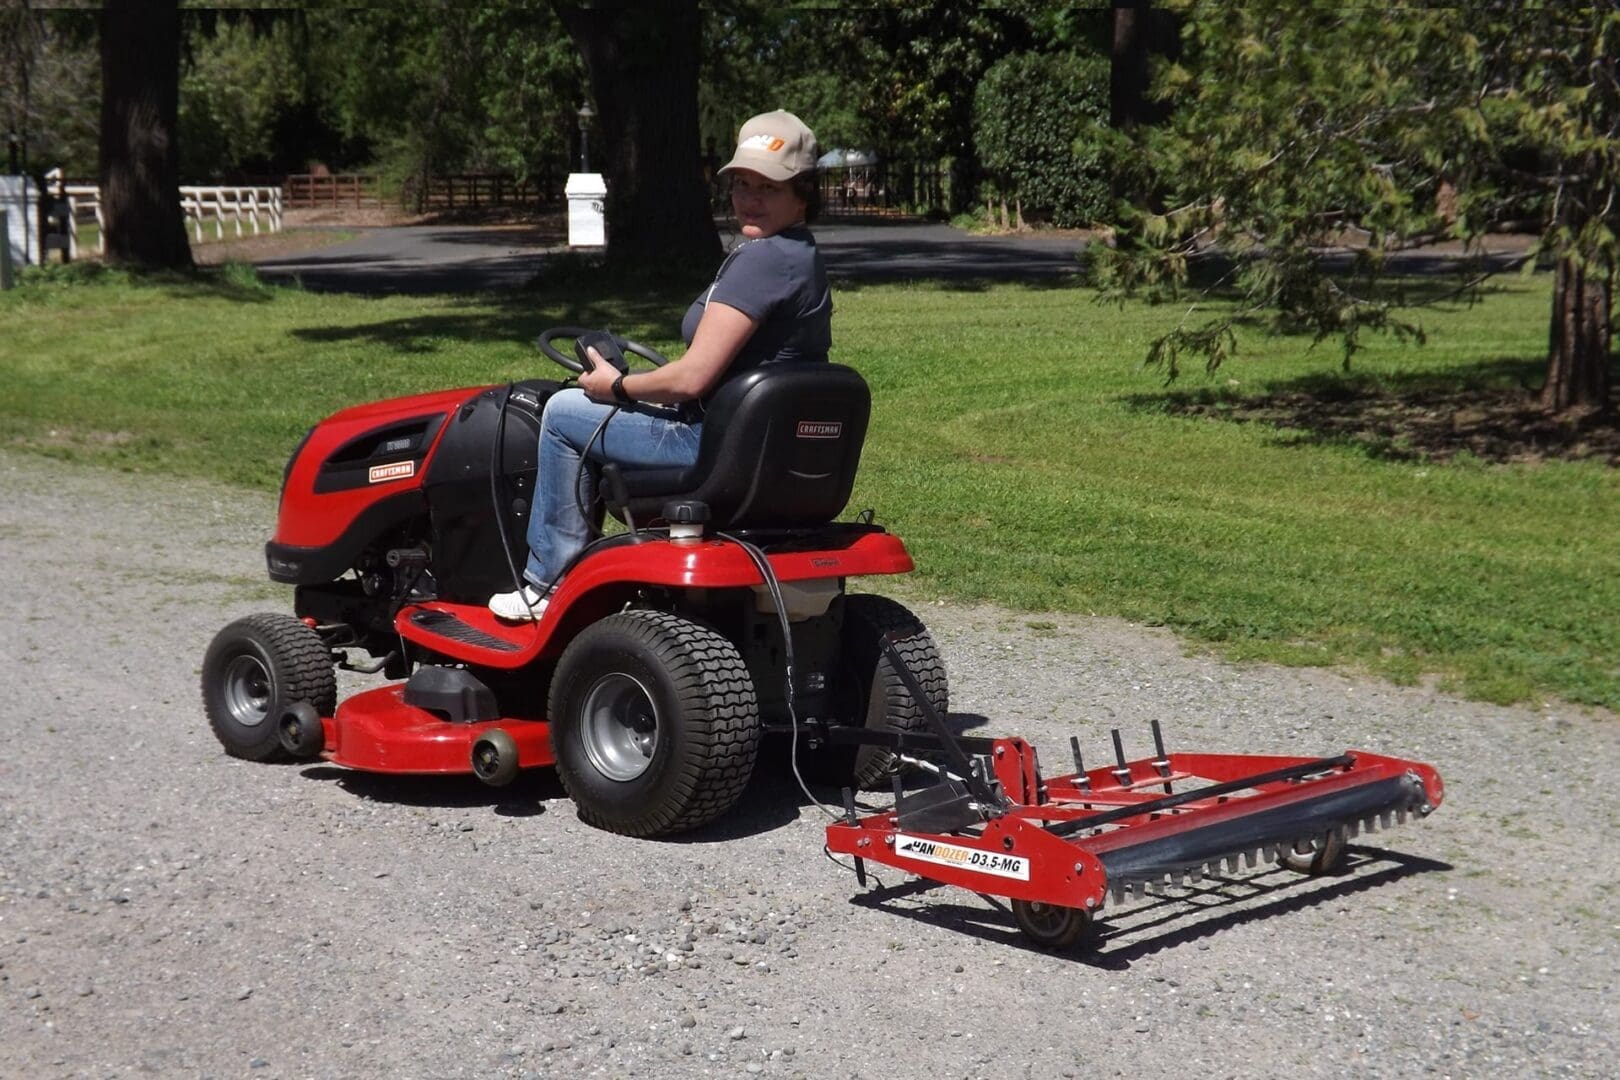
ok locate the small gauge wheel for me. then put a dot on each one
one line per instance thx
(1051, 926)
(1324, 858)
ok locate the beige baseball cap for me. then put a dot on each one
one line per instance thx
(776, 145)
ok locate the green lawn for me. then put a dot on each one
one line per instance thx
(1017, 445)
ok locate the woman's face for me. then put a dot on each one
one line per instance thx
(764, 207)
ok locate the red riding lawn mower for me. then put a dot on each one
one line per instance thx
(718, 617)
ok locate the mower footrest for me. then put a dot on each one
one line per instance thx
(436, 622)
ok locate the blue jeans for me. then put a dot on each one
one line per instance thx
(638, 437)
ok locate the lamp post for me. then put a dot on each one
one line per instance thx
(14, 152)
(585, 115)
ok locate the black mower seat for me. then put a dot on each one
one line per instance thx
(780, 447)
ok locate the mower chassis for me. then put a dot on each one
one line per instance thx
(377, 731)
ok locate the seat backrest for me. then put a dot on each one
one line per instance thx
(781, 445)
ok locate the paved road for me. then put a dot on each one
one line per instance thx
(432, 258)
(418, 259)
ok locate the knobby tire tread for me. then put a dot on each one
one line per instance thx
(916, 646)
(303, 664)
(712, 681)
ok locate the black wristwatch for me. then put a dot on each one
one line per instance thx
(620, 394)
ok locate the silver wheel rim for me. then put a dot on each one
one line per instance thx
(247, 690)
(619, 727)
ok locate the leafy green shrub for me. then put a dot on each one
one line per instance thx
(1035, 119)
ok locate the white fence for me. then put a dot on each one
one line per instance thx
(242, 207)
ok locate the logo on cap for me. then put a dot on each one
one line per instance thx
(769, 143)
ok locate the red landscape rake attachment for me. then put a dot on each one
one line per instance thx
(1060, 848)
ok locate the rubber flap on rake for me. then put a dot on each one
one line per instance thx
(1074, 840)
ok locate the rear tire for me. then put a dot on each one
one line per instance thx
(875, 696)
(654, 723)
(253, 671)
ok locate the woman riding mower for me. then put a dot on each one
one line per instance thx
(770, 303)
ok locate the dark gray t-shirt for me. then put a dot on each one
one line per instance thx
(779, 280)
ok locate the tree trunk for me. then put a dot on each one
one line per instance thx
(643, 64)
(1578, 361)
(140, 159)
(1128, 64)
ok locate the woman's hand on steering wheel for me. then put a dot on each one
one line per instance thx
(552, 353)
(597, 382)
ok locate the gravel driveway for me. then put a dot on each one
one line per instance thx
(170, 911)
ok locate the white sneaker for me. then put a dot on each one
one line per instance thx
(525, 605)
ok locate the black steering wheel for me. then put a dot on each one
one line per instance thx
(555, 355)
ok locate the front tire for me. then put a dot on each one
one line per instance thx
(874, 695)
(654, 723)
(254, 670)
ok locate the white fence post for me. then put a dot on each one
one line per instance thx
(197, 203)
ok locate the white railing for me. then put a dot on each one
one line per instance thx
(218, 203)
(243, 207)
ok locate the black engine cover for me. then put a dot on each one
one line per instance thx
(469, 561)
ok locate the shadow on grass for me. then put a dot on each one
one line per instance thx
(231, 281)
(1488, 412)
(650, 314)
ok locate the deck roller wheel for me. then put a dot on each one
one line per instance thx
(495, 758)
(1051, 926)
(1323, 857)
(300, 730)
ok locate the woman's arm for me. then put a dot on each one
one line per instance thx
(721, 333)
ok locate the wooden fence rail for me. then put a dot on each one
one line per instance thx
(304, 191)
(445, 192)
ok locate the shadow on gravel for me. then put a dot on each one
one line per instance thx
(771, 800)
(774, 799)
(1185, 916)
(524, 797)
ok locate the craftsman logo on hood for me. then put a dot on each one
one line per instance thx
(821, 429)
(399, 470)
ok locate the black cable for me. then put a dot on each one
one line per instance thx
(584, 459)
(497, 466)
(497, 463)
(774, 587)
